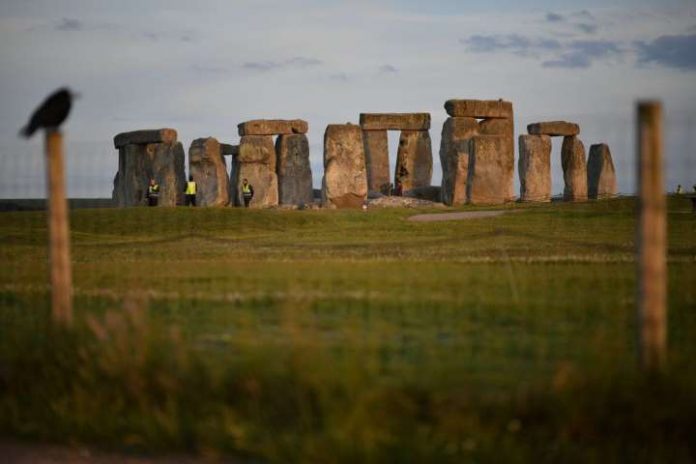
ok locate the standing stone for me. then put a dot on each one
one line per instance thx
(454, 158)
(345, 178)
(138, 163)
(574, 169)
(504, 127)
(490, 170)
(377, 160)
(294, 171)
(414, 160)
(209, 170)
(534, 167)
(601, 177)
(255, 162)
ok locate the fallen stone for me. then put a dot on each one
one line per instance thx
(454, 158)
(553, 128)
(534, 167)
(431, 193)
(402, 202)
(574, 169)
(273, 127)
(490, 170)
(137, 164)
(209, 170)
(394, 121)
(255, 162)
(504, 127)
(479, 108)
(377, 160)
(345, 179)
(142, 137)
(601, 176)
(293, 169)
(229, 150)
(414, 160)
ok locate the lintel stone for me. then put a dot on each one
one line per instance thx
(394, 121)
(227, 149)
(554, 128)
(143, 137)
(479, 109)
(273, 127)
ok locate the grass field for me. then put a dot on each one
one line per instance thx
(349, 336)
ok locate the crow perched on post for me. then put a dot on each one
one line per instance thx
(52, 112)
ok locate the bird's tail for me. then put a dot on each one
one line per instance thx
(26, 131)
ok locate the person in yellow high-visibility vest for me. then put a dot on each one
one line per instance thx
(190, 192)
(247, 192)
(152, 193)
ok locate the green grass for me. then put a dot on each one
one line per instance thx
(349, 336)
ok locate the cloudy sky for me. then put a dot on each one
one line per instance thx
(202, 67)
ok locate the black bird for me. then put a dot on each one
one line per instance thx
(52, 112)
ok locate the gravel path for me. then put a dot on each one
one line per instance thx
(455, 216)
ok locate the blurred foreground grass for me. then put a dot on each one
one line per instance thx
(345, 336)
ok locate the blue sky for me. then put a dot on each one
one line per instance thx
(202, 67)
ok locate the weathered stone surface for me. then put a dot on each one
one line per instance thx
(257, 149)
(345, 178)
(142, 137)
(227, 149)
(137, 164)
(414, 160)
(490, 170)
(574, 169)
(264, 182)
(506, 128)
(479, 108)
(209, 170)
(377, 160)
(273, 127)
(534, 167)
(255, 162)
(394, 121)
(454, 158)
(601, 177)
(294, 171)
(554, 128)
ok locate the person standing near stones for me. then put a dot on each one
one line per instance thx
(152, 193)
(247, 192)
(190, 192)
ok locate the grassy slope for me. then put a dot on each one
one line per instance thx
(342, 335)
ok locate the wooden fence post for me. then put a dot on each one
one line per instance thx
(651, 240)
(59, 231)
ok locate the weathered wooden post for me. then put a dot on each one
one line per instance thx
(59, 230)
(49, 116)
(651, 239)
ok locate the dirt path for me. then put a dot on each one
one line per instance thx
(462, 215)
